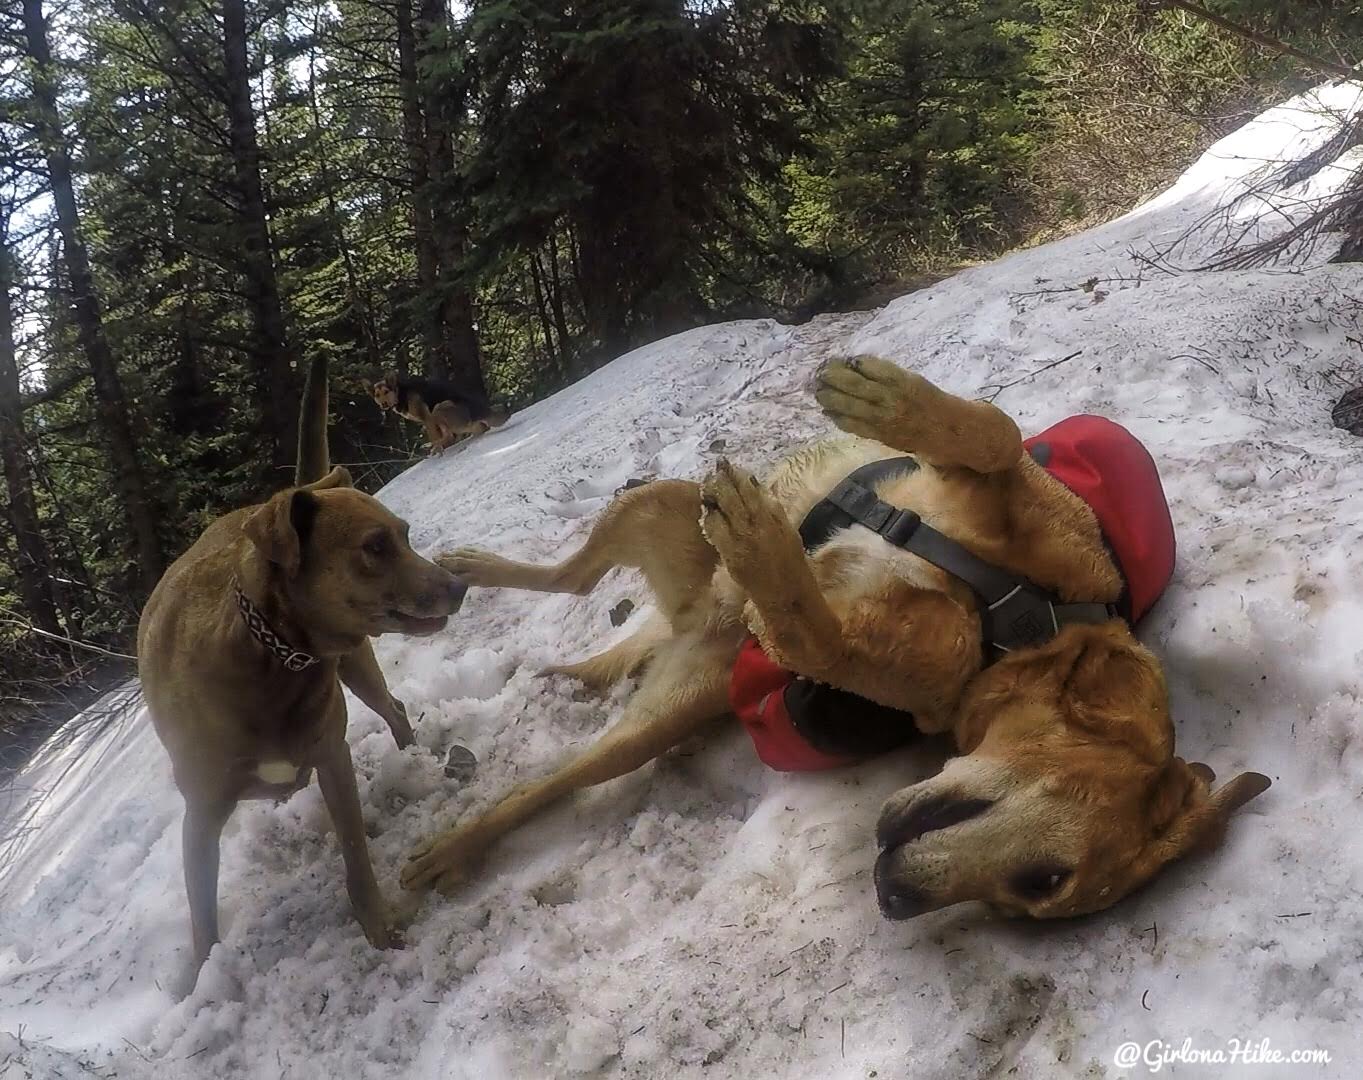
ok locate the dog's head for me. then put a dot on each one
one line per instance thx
(1068, 795)
(385, 391)
(345, 563)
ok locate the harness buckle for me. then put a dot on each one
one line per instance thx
(1022, 618)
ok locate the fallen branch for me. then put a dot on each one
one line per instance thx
(1328, 67)
(999, 388)
(24, 624)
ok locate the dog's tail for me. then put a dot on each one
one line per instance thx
(314, 459)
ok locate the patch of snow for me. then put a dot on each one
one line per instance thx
(706, 916)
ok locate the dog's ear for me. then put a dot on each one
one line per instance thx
(1187, 816)
(1114, 691)
(281, 527)
(338, 477)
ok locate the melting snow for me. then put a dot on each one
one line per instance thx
(706, 916)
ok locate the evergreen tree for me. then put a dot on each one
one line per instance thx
(638, 129)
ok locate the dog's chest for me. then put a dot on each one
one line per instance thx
(857, 561)
(278, 771)
(282, 733)
(274, 778)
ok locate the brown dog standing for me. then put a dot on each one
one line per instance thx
(245, 641)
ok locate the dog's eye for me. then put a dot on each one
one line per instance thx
(1039, 882)
(377, 545)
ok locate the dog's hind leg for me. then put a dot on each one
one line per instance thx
(624, 658)
(435, 434)
(685, 688)
(654, 528)
(455, 419)
(360, 672)
(880, 400)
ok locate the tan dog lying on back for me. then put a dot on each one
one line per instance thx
(1067, 795)
(243, 646)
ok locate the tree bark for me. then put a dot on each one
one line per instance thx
(109, 395)
(435, 363)
(33, 565)
(556, 297)
(278, 389)
(541, 304)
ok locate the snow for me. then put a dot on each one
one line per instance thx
(706, 916)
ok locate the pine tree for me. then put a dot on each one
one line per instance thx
(637, 128)
(115, 415)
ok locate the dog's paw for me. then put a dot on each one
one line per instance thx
(743, 523)
(474, 566)
(383, 934)
(400, 725)
(444, 863)
(868, 396)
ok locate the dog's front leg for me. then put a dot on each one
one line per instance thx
(764, 555)
(879, 400)
(336, 775)
(361, 675)
(907, 648)
(201, 836)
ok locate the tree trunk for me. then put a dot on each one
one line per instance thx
(541, 304)
(33, 566)
(278, 392)
(109, 396)
(556, 297)
(360, 311)
(436, 363)
(448, 214)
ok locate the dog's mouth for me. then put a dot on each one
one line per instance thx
(415, 625)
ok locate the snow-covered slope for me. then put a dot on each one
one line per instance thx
(707, 916)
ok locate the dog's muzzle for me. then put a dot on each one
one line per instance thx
(899, 898)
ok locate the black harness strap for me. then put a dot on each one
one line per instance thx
(1015, 612)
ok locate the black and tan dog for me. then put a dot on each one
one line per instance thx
(245, 642)
(446, 413)
(1067, 794)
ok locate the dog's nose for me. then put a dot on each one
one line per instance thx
(455, 591)
(898, 899)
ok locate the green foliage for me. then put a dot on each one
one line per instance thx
(640, 129)
(609, 172)
(930, 132)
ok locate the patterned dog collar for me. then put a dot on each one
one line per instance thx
(292, 659)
